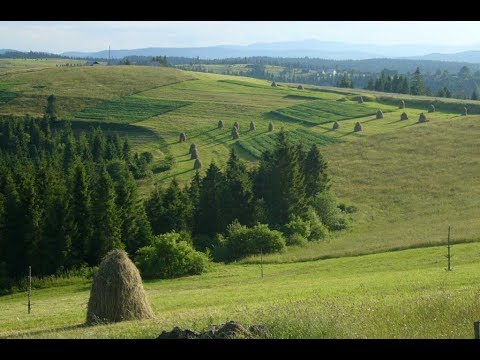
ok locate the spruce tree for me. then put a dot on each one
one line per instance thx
(106, 220)
(417, 87)
(315, 168)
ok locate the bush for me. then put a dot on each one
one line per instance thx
(318, 230)
(298, 226)
(296, 240)
(169, 256)
(242, 241)
(165, 164)
(326, 208)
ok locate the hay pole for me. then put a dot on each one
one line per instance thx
(448, 251)
(29, 288)
(261, 262)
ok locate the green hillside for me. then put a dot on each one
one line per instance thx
(406, 181)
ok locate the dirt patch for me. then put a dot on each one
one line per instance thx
(229, 330)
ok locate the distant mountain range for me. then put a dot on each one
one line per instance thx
(311, 48)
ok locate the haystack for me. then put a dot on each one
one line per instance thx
(192, 147)
(465, 111)
(117, 291)
(300, 87)
(235, 124)
(235, 134)
(379, 114)
(431, 108)
(402, 104)
(360, 100)
(404, 116)
(252, 126)
(358, 127)
(422, 118)
(274, 84)
(336, 125)
(183, 137)
(270, 126)
(197, 165)
(220, 124)
(194, 154)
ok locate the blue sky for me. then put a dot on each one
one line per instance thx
(60, 36)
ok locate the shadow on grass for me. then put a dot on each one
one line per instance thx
(38, 333)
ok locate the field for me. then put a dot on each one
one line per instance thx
(408, 181)
(404, 294)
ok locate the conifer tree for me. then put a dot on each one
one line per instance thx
(316, 177)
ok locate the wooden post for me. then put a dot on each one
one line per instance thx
(261, 262)
(29, 287)
(476, 329)
(448, 251)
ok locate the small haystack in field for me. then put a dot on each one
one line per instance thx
(270, 126)
(402, 104)
(465, 111)
(237, 125)
(358, 127)
(220, 124)
(252, 126)
(422, 118)
(379, 114)
(194, 154)
(431, 108)
(197, 165)
(117, 292)
(336, 125)
(300, 87)
(235, 134)
(404, 116)
(360, 100)
(274, 84)
(182, 137)
(192, 147)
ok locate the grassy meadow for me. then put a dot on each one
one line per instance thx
(408, 181)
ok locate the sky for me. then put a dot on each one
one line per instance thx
(60, 36)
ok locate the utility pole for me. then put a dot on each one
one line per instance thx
(448, 251)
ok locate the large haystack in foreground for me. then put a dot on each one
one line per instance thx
(117, 291)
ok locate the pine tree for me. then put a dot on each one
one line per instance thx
(417, 87)
(106, 220)
(99, 145)
(79, 215)
(316, 177)
(209, 215)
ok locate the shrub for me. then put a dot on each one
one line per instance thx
(318, 230)
(298, 226)
(242, 241)
(169, 256)
(165, 164)
(325, 206)
(296, 240)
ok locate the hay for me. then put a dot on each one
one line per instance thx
(183, 137)
(300, 87)
(336, 125)
(270, 126)
(404, 116)
(422, 118)
(197, 165)
(192, 147)
(465, 111)
(220, 124)
(194, 154)
(360, 100)
(431, 108)
(379, 114)
(235, 134)
(252, 126)
(274, 84)
(358, 127)
(402, 104)
(235, 124)
(117, 292)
